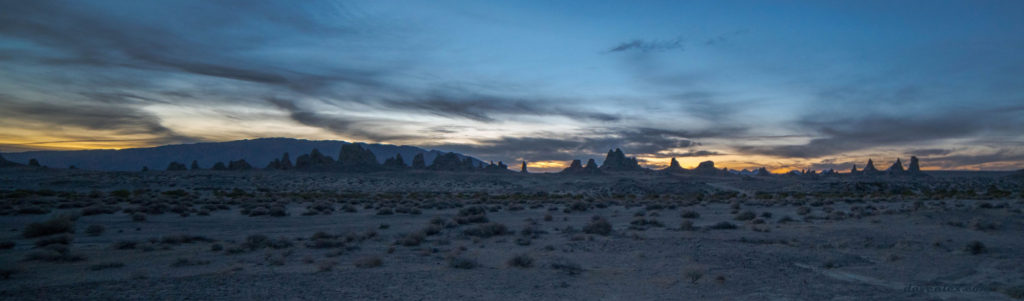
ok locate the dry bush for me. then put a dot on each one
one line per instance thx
(598, 225)
(56, 225)
(368, 262)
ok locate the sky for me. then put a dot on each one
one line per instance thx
(781, 84)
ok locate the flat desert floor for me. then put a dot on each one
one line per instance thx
(69, 235)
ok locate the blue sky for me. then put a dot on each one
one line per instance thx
(783, 84)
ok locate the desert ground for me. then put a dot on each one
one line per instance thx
(277, 235)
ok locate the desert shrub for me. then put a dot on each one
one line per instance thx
(54, 253)
(693, 274)
(325, 243)
(184, 262)
(578, 207)
(459, 262)
(766, 214)
(412, 239)
(723, 226)
(368, 262)
(687, 226)
(689, 214)
(385, 211)
(95, 230)
(53, 240)
(178, 239)
(975, 248)
(259, 241)
(472, 215)
(432, 229)
(100, 209)
(745, 216)
(566, 266)
(33, 210)
(7, 244)
(785, 219)
(643, 223)
(599, 226)
(1016, 292)
(523, 241)
(106, 265)
(216, 247)
(521, 261)
(803, 210)
(56, 225)
(487, 230)
(548, 218)
(138, 217)
(326, 266)
(124, 245)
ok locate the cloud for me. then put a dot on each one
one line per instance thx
(347, 126)
(122, 119)
(649, 45)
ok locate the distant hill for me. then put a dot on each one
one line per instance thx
(258, 152)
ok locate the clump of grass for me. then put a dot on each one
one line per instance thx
(693, 274)
(368, 262)
(487, 230)
(412, 239)
(106, 265)
(459, 262)
(598, 225)
(723, 226)
(95, 230)
(566, 266)
(521, 261)
(183, 262)
(746, 216)
(689, 214)
(56, 225)
(687, 226)
(52, 240)
(124, 245)
(975, 248)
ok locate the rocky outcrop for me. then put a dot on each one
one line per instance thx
(706, 168)
(219, 166)
(915, 166)
(353, 157)
(195, 165)
(617, 161)
(314, 161)
(451, 162)
(239, 165)
(395, 163)
(674, 167)
(500, 167)
(896, 167)
(591, 167)
(762, 172)
(575, 167)
(870, 168)
(418, 162)
(284, 163)
(523, 170)
(854, 170)
(175, 166)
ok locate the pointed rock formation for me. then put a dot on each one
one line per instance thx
(239, 165)
(353, 157)
(915, 167)
(314, 161)
(451, 162)
(286, 162)
(575, 167)
(396, 163)
(33, 162)
(219, 166)
(195, 165)
(591, 167)
(175, 166)
(617, 161)
(418, 162)
(500, 167)
(762, 172)
(674, 167)
(523, 170)
(854, 170)
(896, 168)
(870, 168)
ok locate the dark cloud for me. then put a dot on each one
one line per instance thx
(481, 107)
(692, 153)
(1001, 159)
(351, 127)
(649, 45)
(852, 134)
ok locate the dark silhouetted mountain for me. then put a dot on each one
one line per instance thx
(216, 166)
(870, 168)
(674, 167)
(353, 157)
(239, 165)
(896, 168)
(523, 170)
(258, 152)
(706, 168)
(915, 166)
(195, 165)
(500, 167)
(33, 162)
(5, 163)
(175, 166)
(762, 172)
(395, 163)
(418, 162)
(617, 161)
